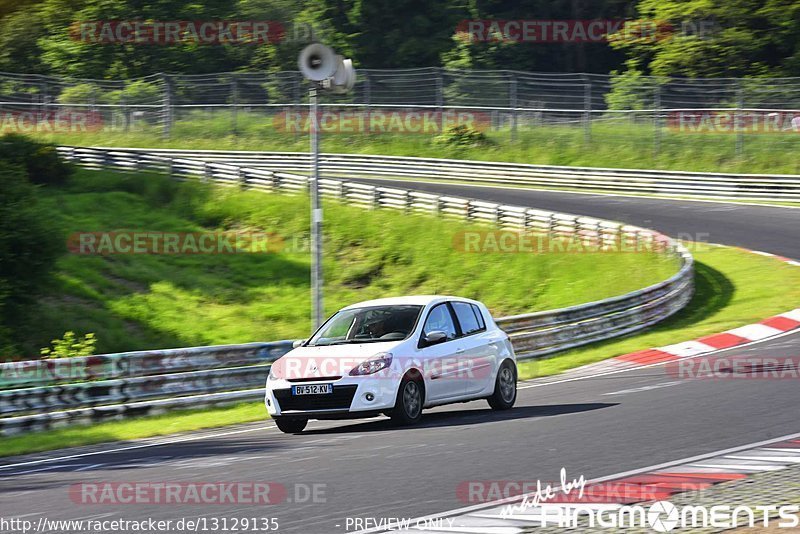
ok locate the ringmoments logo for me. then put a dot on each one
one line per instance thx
(664, 516)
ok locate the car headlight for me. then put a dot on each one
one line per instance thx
(273, 375)
(380, 361)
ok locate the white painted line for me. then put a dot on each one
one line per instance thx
(648, 366)
(650, 469)
(755, 332)
(133, 447)
(742, 467)
(762, 253)
(645, 388)
(776, 459)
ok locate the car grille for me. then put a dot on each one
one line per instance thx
(340, 399)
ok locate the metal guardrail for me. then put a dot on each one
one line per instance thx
(76, 390)
(635, 181)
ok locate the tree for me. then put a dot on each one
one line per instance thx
(30, 242)
(716, 38)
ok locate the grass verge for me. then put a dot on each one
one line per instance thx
(613, 142)
(153, 301)
(143, 427)
(733, 288)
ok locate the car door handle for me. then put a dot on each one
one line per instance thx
(459, 351)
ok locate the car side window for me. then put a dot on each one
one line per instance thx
(479, 315)
(469, 322)
(440, 319)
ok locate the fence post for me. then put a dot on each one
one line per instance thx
(367, 99)
(587, 110)
(123, 101)
(657, 120)
(737, 122)
(440, 96)
(234, 102)
(294, 108)
(167, 106)
(512, 89)
(43, 90)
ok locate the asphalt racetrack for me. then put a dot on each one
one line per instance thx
(369, 469)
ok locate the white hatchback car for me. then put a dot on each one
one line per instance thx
(394, 356)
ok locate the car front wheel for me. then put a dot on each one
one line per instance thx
(410, 399)
(505, 387)
(290, 426)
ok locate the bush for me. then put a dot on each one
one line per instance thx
(30, 243)
(40, 160)
(70, 346)
(83, 93)
(462, 136)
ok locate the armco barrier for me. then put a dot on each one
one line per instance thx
(49, 393)
(632, 181)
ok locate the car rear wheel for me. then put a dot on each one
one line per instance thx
(290, 426)
(505, 387)
(410, 399)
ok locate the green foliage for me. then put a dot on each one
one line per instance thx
(82, 93)
(462, 136)
(749, 38)
(40, 160)
(30, 242)
(136, 92)
(735, 38)
(70, 346)
(141, 301)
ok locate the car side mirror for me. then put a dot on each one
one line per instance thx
(434, 338)
(297, 342)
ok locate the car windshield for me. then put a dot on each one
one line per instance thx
(368, 325)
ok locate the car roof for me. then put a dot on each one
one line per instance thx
(419, 300)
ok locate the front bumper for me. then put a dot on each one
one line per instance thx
(349, 397)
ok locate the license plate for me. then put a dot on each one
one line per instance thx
(312, 389)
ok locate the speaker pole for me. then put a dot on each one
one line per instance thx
(316, 213)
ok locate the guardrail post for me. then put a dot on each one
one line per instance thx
(207, 172)
(367, 100)
(242, 177)
(376, 198)
(235, 103)
(166, 112)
